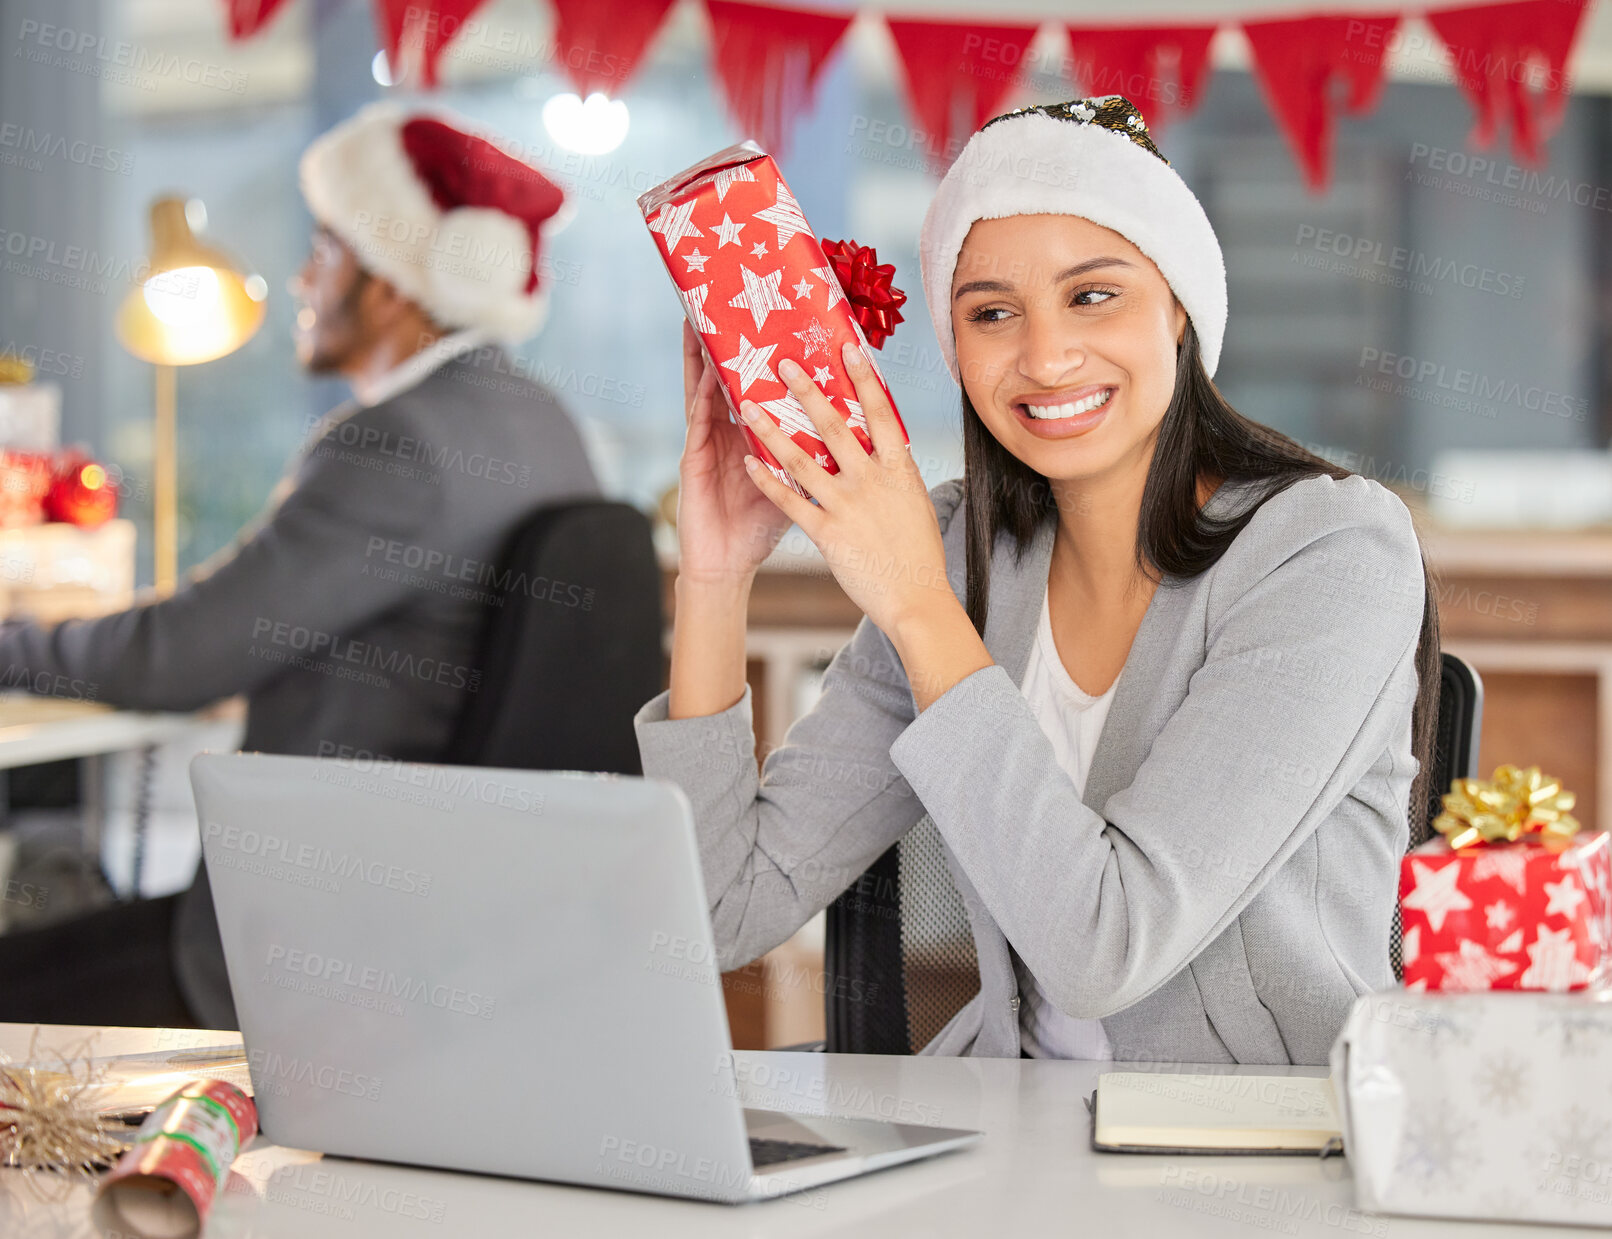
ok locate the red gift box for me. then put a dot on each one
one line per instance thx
(1528, 915)
(757, 287)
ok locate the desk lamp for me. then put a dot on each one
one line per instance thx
(196, 304)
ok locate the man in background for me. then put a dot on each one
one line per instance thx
(343, 613)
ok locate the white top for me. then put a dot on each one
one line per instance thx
(417, 367)
(1073, 721)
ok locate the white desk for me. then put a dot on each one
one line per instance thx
(39, 729)
(1034, 1175)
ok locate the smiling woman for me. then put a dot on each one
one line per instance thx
(1162, 679)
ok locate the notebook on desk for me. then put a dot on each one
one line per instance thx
(1149, 1112)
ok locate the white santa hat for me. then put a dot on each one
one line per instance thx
(447, 218)
(1089, 157)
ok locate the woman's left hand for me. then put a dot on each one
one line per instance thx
(873, 520)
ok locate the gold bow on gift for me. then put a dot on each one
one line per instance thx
(1506, 807)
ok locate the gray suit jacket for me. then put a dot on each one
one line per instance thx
(349, 612)
(1225, 887)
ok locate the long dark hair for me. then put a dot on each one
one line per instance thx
(1201, 436)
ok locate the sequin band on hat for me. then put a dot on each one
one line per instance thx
(1115, 113)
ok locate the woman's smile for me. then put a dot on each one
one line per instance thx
(1067, 412)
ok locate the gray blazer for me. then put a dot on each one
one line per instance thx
(1223, 890)
(349, 612)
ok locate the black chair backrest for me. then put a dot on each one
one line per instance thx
(1455, 742)
(572, 648)
(901, 931)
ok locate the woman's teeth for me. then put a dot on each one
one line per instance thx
(1048, 412)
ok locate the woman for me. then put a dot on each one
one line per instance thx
(1153, 670)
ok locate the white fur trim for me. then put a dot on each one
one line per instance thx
(1036, 165)
(465, 268)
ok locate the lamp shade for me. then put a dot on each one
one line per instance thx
(195, 304)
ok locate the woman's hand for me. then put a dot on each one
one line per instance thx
(873, 521)
(725, 528)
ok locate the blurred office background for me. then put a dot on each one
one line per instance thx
(1486, 401)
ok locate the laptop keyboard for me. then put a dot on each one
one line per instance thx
(771, 1152)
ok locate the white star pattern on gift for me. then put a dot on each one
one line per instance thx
(822, 375)
(815, 338)
(727, 231)
(1410, 950)
(1512, 944)
(674, 223)
(694, 304)
(696, 260)
(751, 364)
(1564, 896)
(857, 418)
(1554, 965)
(1471, 967)
(760, 296)
(791, 416)
(822, 459)
(803, 290)
(758, 250)
(1435, 892)
(786, 214)
(724, 179)
(836, 294)
(787, 480)
(1510, 865)
(1499, 915)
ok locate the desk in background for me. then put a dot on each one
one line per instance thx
(42, 729)
(1033, 1175)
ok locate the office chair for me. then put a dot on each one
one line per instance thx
(1455, 756)
(903, 925)
(573, 649)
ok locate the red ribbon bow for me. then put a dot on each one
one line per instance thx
(875, 303)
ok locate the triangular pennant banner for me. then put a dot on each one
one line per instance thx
(958, 73)
(1512, 58)
(768, 61)
(1159, 69)
(414, 34)
(600, 42)
(1296, 63)
(247, 17)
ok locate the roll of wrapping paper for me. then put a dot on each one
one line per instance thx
(165, 1185)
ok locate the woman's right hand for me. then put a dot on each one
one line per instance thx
(725, 524)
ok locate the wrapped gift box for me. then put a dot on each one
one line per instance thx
(59, 571)
(30, 416)
(1491, 1106)
(757, 287)
(1526, 915)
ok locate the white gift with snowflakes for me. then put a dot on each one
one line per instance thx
(1494, 1106)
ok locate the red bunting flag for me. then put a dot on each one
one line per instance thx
(1512, 58)
(247, 17)
(601, 42)
(1296, 63)
(1160, 69)
(768, 61)
(415, 33)
(958, 74)
(1508, 58)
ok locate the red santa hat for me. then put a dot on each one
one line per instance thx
(446, 217)
(1088, 157)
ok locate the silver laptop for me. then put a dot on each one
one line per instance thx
(501, 971)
